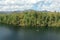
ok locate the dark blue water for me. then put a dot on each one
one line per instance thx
(9, 33)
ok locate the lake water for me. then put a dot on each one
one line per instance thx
(9, 33)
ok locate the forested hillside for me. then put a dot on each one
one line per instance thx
(32, 18)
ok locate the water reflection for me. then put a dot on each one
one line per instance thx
(41, 35)
(9, 33)
(5, 33)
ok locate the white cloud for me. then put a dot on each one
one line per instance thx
(52, 5)
(12, 5)
(9, 5)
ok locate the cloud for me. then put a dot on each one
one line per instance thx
(19, 5)
(52, 5)
(12, 5)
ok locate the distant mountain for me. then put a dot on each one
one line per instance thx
(3, 12)
(9, 12)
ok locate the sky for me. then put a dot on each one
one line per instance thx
(20, 5)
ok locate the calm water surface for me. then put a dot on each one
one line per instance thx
(9, 33)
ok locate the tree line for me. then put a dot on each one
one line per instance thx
(31, 19)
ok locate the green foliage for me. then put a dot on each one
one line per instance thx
(32, 18)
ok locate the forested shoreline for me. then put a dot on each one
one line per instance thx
(31, 18)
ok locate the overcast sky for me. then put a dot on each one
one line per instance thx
(19, 5)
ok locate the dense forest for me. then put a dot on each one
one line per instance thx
(31, 18)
